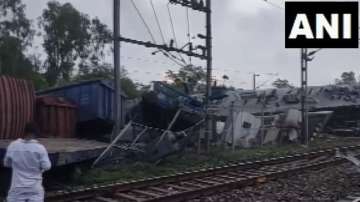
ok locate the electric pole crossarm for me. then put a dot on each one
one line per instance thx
(162, 47)
(192, 4)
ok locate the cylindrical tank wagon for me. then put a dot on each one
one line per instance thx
(17, 99)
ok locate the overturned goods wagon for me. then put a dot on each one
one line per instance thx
(56, 117)
(16, 106)
(159, 107)
(95, 102)
(332, 109)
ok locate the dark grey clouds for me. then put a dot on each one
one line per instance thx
(248, 37)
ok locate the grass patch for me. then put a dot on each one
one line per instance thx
(192, 161)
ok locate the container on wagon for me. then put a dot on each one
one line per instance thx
(55, 117)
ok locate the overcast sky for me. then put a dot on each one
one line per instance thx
(248, 37)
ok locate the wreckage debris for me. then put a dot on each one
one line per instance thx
(332, 109)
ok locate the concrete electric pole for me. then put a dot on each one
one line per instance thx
(306, 57)
(304, 81)
(165, 48)
(117, 70)
(209, 73)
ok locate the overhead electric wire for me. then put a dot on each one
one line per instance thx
(172, 59)
(173, 30)
(144, 22)
(145, 60)
(151, 35)
(172, 25)
(273, 4)
(157, 21)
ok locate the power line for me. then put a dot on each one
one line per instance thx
(173, 30)
(157, 21)
(152, 36)
(172, 26)
(144, 60)
(163, 47)
(273, 4)
(172, 59)
(144, 22)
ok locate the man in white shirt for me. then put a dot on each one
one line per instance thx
(28, 159)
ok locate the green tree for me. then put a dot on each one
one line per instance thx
(73, 39)
(106, 72)
(347, 78)
(18, 65)
(129, 87)
(187, 77)
(103, 72)
(13, 22)
(65, 40)
(282, 83)
(100, 42)
(16, 36)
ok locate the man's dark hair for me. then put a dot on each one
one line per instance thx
(30, 128)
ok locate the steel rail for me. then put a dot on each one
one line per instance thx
(187, 185)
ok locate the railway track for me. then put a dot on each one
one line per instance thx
(188, 185)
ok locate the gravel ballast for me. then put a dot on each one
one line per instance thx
(328, 184)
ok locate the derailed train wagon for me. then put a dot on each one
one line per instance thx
(17, 99)
(55, 117)
(95, 103)
(159, 106)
